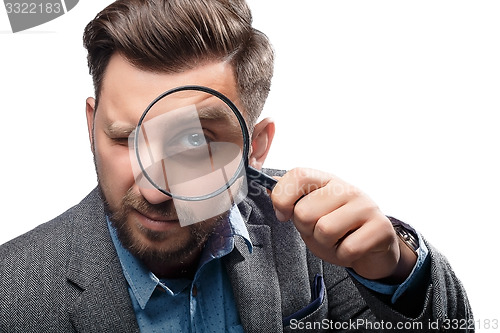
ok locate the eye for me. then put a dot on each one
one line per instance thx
(120, 141)
(191, 141)
(196, 139)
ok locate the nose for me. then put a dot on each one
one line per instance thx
(153, 195)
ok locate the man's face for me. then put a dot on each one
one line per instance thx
(146, 219)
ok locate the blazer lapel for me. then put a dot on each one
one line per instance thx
(254, 280)
(94, 269)
(104, 306)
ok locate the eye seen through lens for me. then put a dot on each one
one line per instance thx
(191, 144)
(197, 140)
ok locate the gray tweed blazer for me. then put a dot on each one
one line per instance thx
(65, 276)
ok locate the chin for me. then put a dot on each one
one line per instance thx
(175, 244)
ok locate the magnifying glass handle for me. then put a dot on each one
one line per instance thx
(261, 178)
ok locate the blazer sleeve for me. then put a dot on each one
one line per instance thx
(438, 303)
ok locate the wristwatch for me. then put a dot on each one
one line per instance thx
(409, 237)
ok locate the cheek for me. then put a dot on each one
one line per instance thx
(114, 169)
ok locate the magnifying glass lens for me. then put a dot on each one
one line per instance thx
(190, 144)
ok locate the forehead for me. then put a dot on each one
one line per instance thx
(126, 90)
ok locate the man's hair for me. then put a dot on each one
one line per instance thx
(172, 36)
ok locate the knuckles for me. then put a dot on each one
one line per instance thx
(388, 236)
(325, 230)
(302, 212)
(348, 252)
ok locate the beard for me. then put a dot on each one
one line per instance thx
(151, 246)
(159, 247)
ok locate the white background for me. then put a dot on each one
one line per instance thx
(396, 97)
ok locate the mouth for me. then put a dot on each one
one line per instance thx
(156, 222)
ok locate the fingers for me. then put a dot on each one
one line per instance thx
(359, 245)
(330, 229)
(292, 186)
(375, 236)
(349, 232)
(338, 223)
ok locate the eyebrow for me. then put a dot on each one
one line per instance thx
(215, 113)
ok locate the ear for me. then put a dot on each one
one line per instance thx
(262, 137)
(90, 113)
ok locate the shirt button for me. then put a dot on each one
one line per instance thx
(194, 292)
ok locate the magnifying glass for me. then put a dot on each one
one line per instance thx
(192, 144)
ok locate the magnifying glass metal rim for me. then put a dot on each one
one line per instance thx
(246, 142)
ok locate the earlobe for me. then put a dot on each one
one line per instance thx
(90, 113)
(262, 137)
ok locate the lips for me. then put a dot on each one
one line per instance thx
(156, 223)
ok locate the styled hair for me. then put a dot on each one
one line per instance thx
(172, 36)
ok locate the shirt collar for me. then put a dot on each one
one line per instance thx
(222, 240)
(143, 282)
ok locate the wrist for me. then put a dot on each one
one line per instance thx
(406, 263)
(408, 251)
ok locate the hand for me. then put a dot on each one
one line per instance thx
(341, 225)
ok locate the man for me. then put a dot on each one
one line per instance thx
(316, 254)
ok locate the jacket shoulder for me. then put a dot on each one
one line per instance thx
(51, 234)
(33, 271)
